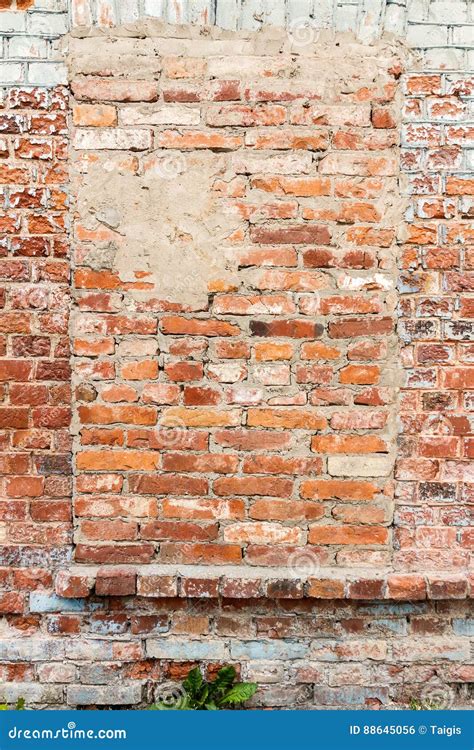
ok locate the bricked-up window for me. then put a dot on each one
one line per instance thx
(234, 326)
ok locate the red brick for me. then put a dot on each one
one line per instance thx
(297, 235)
(409, 588)
(115, 582)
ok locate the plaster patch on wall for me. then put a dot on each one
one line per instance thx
(164, 227)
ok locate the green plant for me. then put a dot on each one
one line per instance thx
(195, 694)
(416, 704)
(19, 705)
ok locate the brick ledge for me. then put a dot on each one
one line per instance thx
(197, 581)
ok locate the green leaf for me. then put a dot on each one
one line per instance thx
(239, 693)
(211, 706)
(224, 678)
(193, 682)
(203, 695)
(20, 704)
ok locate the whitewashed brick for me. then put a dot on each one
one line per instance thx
(154, 8)
(444, 59)
(395, 16)
(166, 115)
(427, 35)
(177, 12)
(369, 19)
(27, 47)
(227, 17)
(47, 24)
(345, 18)
(31, 649)
(447, 11)
(464, 35)
(12, 21)
(11, 73)
(322, 14)
(280, 164)
(55, 52)
(47, 74)
(201, 12)
(469, 159)
(353, 466)
(120, 138)
(418, 10)
(129, 11)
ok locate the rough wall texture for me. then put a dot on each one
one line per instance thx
(221, 409)
(435, 470)
(35, 369)
(245, 351)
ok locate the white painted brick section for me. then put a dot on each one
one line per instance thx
(447, 11)
(171, 114)
(27, 47)
(47, 24)
(427, 35)
(464, 35)
(47, 74)
(395, 19)
(117, 139)
(30, 40)
(12, 73)
(445, 59)
(12, 21)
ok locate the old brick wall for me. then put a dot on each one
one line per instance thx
(229, 408)
(268, 405)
